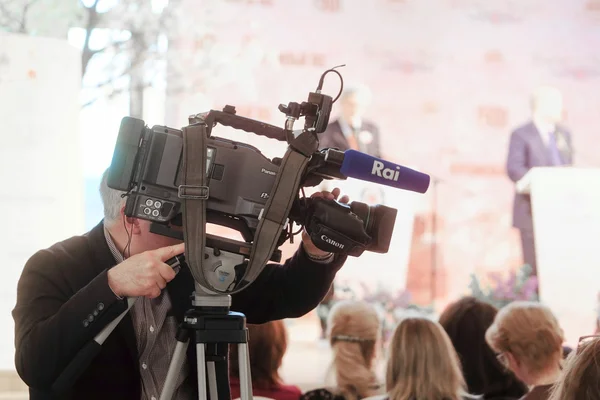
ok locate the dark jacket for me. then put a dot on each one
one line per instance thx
(525, 151)
(333, 137)
(61, 287)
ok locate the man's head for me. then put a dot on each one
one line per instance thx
(121, 227)
(354, 101)
(547, 104)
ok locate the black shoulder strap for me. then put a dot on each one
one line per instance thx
(274, 216)
(194, 193)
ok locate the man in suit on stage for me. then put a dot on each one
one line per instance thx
(542, 142)
(351, 130)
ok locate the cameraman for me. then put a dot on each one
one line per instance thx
(68, 293)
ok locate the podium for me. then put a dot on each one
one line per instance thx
(566, 223)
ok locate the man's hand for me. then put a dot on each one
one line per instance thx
(144, 274)
(309, 246)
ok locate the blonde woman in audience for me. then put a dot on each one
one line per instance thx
(354, 331)
(581, 377)
(422, 363)
(528, 340)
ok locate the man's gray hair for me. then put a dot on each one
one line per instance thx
(111, 199)
(361, 91)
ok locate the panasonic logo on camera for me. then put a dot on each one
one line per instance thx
(266, 171)
(332, 242)
(385, 173)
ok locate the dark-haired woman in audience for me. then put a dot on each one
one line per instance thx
(466, 322)
(266, 347)
(581, 377)
(528, 340)
(354, 333)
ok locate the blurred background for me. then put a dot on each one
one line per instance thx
(448, 80)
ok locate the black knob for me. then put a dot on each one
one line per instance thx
(229, 109)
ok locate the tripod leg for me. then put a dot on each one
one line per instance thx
(212, 380)
(222, 370)
(201, 361)
(174, 368)
(245, 377)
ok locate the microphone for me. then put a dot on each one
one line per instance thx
(372, 169)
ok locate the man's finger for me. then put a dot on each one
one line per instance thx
(345, 199)
(166, 272)
(171, 251)
(327, 195)
(336, 192)
(154, 292)
(161, 282)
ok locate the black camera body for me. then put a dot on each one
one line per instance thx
(147, 163)
(240, 177)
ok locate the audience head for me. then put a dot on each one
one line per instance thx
(354, 331)
(466, 322)
(581, 376)
(528, 340)
(422, 363)
(267, 344)
(547, 104)
(354, 101)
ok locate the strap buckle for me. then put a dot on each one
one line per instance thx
(193, 192)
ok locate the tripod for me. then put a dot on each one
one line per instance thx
(213, 327)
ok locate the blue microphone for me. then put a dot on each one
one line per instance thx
(368, 168)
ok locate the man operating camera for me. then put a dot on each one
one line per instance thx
(68, 293)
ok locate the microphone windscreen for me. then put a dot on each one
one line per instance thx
(372, 169)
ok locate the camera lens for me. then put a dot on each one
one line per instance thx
(379, 223)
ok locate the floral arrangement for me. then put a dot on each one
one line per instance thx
(503, 289)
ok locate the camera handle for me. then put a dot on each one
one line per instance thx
(227, 117)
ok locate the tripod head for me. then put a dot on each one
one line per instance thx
(204, 299)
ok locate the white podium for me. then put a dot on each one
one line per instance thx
(566, 222)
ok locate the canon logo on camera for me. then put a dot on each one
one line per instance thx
(332, 242)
